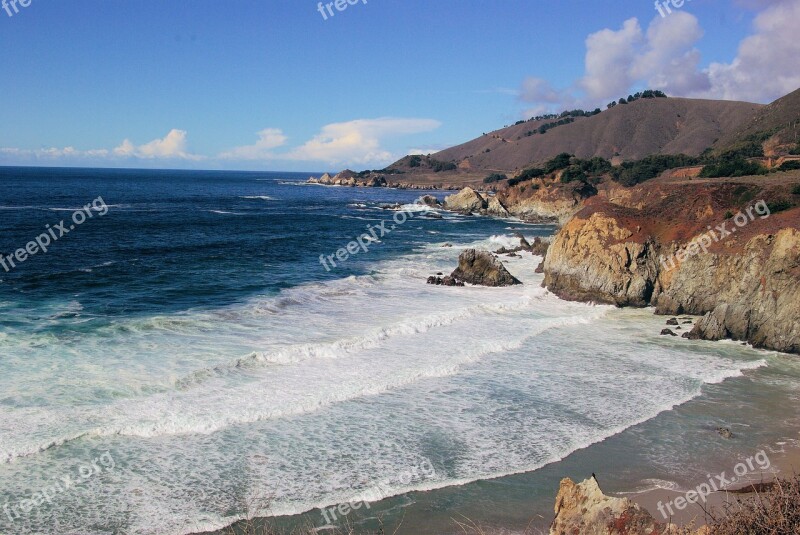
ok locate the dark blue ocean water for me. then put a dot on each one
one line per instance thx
(174, 240)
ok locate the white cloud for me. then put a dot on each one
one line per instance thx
(609, 55)
(173, 145)
(666, 57)
(359, 142)
(768, 62)
(268, 139)
(538, 90)
(170, 147)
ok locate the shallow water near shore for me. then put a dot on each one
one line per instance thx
(193, 336)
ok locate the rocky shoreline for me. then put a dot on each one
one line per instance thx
(740, 271)
(733, 260)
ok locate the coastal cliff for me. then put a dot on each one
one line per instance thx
(729, 250)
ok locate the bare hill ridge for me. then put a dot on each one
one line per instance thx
(628, 132)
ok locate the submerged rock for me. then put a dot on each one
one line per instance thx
(724, 432)
(668, 332)
(482, 268)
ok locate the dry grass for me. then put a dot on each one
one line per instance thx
(771, 511)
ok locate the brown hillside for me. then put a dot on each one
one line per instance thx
(781, 119)
(632, 131)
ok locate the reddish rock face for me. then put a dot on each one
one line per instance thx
(583, 509)
(650, 246)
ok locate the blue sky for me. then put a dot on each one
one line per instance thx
(272, 85)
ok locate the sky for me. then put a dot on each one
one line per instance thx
(290, 85)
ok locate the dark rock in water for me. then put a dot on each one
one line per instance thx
(447, 245)
(481, 268)
(540, 267)
(673, 321)
(430, 200)
(687, 322)
(444, 281)
(513, 255)
(724, 432)
(523, 242)
(539, 247)
(432, 215)
(678, 328)
(440, 274)
(690, 335)
(668, 332)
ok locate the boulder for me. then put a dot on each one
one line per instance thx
(668, 332)
(430, 201)
(482, 268)
(466, 201)
(583, 509)
(496, 208)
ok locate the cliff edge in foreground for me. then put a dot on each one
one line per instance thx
(726, 248)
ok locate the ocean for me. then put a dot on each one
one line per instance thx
(183, 359)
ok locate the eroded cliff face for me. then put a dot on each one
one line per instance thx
(582, 508)
(672, 246)
(545, 200)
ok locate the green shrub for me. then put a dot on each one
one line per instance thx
(779, 206)
(632, 173)
(415, 161)
(796, 190)
(495, 177)
(558, 163)
(732, 168)
(791, 165)
(438, 166)
(573, 173)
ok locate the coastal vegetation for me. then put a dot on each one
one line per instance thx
(495, 177)
(649, 93)
(774, 508)
(736, 167)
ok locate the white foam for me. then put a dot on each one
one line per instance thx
(325, 389)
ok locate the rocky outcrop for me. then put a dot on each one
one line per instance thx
(496, 208)
(482, 268)
(429, 201)
(583, 509)
(466, 201)
(596, 259)
(746, 282)
(545, 201)
(351, 179)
